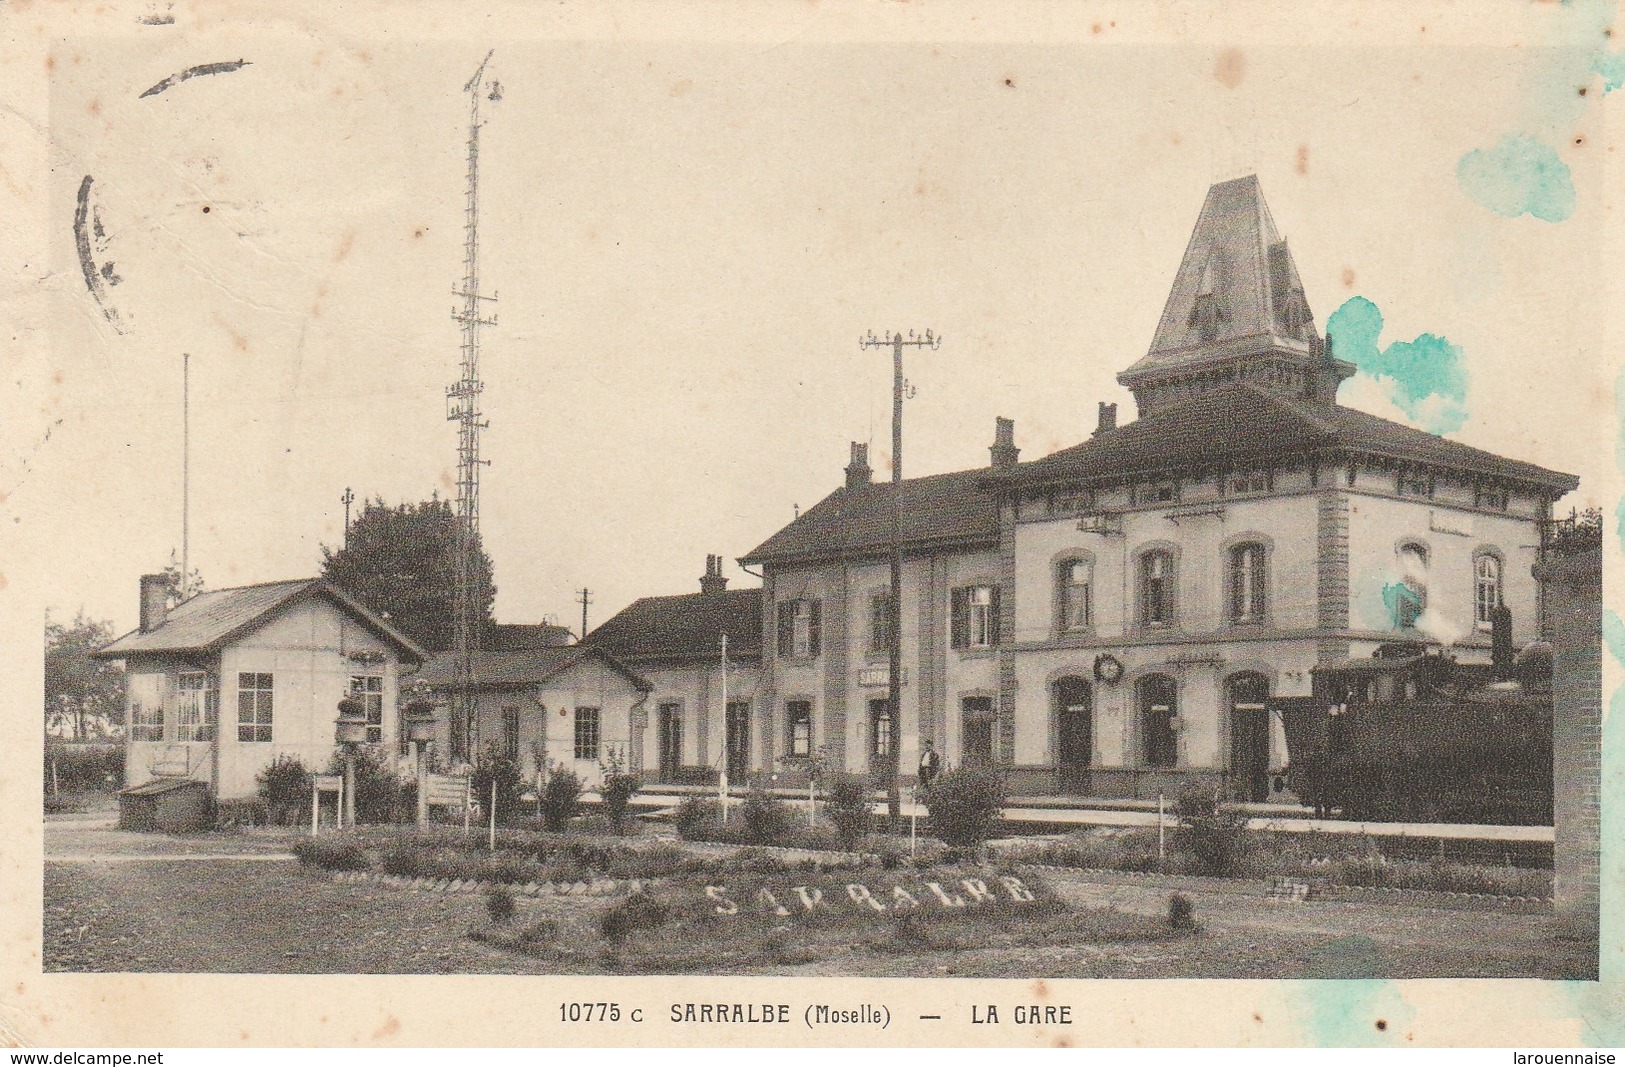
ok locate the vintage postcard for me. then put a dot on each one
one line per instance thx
(828, 523)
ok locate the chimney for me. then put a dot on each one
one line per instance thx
(858, 472)
(1004, 448)
(1108, 418)
(154, 601)
(713, 583)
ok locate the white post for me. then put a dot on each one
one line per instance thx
(722, 778)
(1161, 851)
(468, 800)
(315, 805)
(812, 799)
(56, 786)
(491, 843)
(722, 792)
(913, 819)
(423, 784)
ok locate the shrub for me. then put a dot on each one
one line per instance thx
(494, 767)
(767, 819)
(1181, 912)
(964, 806)
(849, 808)
(639, 911)
(377, 789)
(561, 798)
(331, 853)
(499, 904)
(697, 818)
(1213, 837)
(84, 767)
(248, 811)
(617, 791)
(284, 785)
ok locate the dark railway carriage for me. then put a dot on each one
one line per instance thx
(1410, 735)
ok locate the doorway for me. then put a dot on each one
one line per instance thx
(1074, 734)
(1249, 737)
(737, 729)
(671, 741)
(976, 735)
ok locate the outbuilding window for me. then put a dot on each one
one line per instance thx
(798, 727)
(254, 706)
(369, 690)
(197, 706)
(588, 736)
(1486, 590)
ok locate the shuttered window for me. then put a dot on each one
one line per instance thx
(974, 621)
(799, 625)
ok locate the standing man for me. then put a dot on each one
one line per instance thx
(929, 764)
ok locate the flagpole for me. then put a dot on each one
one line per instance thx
(722, 777)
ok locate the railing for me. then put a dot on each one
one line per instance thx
(1580, 532)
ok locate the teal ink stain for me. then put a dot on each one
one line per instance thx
(1613, 634)
(1396, 593)
(1619, 515)
(1355, 1012)
(1425, 378)
(1519, 176)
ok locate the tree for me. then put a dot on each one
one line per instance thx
(401, 562)
(82, 695)
(172, 581)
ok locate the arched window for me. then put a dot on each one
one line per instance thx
(1159, 708)
(1074, 594)
(1157, 588)
(1486, 590)
(1247, 585)
(1410, 596)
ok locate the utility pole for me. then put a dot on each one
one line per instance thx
(894, 681)
(186, 474)
(348, 498)
(584, 602)
(463, 408)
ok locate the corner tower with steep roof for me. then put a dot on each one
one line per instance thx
(1236, 312)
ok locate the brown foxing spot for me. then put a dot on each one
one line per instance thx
(1348, 277)
(1303, 159)
(1382, 1024)
(1230, 68)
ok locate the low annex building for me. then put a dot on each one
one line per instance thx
(1113, 619)
(569, 706)
(696, 723)
(278, 656)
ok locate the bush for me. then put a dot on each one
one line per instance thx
(499, 904)
(767, 819)
(504, 772)
(331, 853)
(964, 806)
(1181, 912)
(378, 791)
(849, 808)
(561, 798)
(639, 911)
(697, 818)
(617, 791)
(284, 785)
(1214, 838)
(248, 811)
(84, 767)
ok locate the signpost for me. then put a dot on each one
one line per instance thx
(326, 783)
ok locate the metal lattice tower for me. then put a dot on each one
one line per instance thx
(463, 408)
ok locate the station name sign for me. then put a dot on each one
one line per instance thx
(873, 899)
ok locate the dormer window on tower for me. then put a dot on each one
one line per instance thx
(1207, 314)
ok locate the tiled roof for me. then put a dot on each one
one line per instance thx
(498, 670)
(1241, 423)
(214, 618)
(942, 509)
(518, 636)
(685, 628)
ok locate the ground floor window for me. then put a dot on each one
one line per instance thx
(1074, 726)
(1159, 710)
(798, 724)
(254, 706)
(368, 689)
(881, 734)
(1249, 735)
(587, 734)
(198, 707)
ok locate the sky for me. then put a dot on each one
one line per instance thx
(687, 241)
